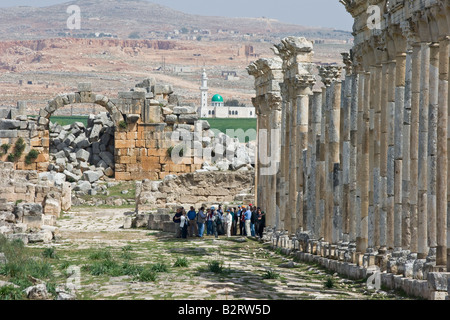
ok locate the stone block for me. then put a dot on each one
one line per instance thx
(91, 176)
(83, 155)
(438, 281)
(11, 134)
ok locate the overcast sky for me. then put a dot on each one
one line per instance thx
(313, 13)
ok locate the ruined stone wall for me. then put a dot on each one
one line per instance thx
(34, 136)
(29, 206)
(364, 163)
(153, 137)
(196, 189)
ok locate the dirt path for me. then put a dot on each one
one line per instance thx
(245, 265)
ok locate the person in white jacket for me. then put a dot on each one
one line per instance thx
(228, 222)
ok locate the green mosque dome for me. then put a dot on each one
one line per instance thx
(217, 98)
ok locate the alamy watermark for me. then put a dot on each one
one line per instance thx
(374, 281)
(228, 147)
(74, 21)
(73, 281)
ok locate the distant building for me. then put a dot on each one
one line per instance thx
(217, 109)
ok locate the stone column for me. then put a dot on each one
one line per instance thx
(390, 208)
(321, 167)
(347, 210)
(313, 216)
(377, 85)
(365, 167)
(267, 74)
(432, 142)
(355, 214)
(406, 213)
(400, 77)
(383, 150)
(442, 147)
(414, 145)
(296, 54)
(423, 152)
(362, 218)
(442, 154)
(330, 77)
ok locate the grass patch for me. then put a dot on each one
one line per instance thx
(329, 283)
(49, 253)
(100, 254)
(246, 125)
(22, 263)
(67, 120)
(159, 267)
(147, 275)
(181, 262)
(11, 293)
(271, 274)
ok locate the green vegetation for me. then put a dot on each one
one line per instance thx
(233, 103)
(31, 156)
(159, 267)
(181, 262)
(271, 274)
(49, 253)
(123, 124)
(19, 148)
(244, 129)
(22, 265)
(146, 275)
(216, 266)
(329, 283)
(134, 35)
(66, 120)
(115, 192)
(4, 149)
(170, 151)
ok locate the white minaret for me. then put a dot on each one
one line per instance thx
(203, 110)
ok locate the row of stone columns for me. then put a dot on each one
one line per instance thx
(363, 163)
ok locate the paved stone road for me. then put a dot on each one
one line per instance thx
(245, 265)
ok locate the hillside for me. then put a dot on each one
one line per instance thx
(141, 18)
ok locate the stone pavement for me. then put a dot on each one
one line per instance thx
(245, 265)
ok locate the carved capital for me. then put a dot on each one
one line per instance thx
(330, 74)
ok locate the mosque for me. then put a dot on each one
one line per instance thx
(217, 108)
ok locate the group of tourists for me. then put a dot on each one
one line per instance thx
(247, 220)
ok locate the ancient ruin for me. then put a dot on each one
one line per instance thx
(362, 179)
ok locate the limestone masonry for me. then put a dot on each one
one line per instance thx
(362, 177)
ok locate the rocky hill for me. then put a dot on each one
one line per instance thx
(139, 18)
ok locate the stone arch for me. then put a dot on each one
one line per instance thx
(84, 95)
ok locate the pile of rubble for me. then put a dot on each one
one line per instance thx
(82, 155)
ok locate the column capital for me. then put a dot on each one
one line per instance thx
(330, 74)
(347, 58)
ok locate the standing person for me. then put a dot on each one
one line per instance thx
(209, 223)
(201, 219)
(192, 215)
(243, 231)
(215, 223)
(219, 223)
(228, 222)
(177, 219)
(248, 220)
(260, 223)
(238, 220)
(253, 221)
(234, 221)
(184, 223)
